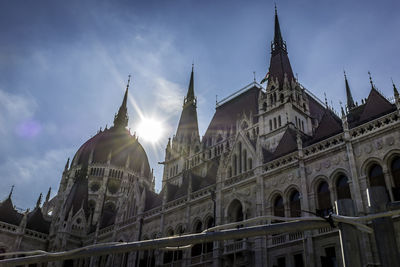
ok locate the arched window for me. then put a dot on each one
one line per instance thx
(279, 121)
(240, 157)
(270, 125)
(235, 211)
(208, 247)
(295, 206)
(324, 198)
(395, 170)
(169, 255)
(343, 188)
(274, 123)
(245, 160)
(250, 163)
(234, 163)
(197, 248)
(279, 209)
(265, 106)
(376, 177)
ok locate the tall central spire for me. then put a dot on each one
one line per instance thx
(279, 66)
(121, 118)
(188, 128)
(190, 94)
(278, 40)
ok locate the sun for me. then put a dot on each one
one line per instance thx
(150, 130)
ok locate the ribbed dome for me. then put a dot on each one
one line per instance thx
(121, 144)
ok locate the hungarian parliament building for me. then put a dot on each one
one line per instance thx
(275, 150)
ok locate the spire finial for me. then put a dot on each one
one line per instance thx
(370, 80)
(254, 76)
(326, 100)
(39, 200)
(190, 94)
(129, 80)
(121, 118)
(11, 191)
(350, 101)
(396, 93)
(48, 195)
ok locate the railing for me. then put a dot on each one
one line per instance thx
(281, 162)
(382, 122)
(324, 145)
(236, 246)
(203, 192)
(238, 178)
(324, 230)
(201, 259)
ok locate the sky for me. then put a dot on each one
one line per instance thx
(64, 67)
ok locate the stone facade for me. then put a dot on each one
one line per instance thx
(275, 151)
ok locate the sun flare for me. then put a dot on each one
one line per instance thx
(150, 130)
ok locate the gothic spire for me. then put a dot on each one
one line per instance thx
(11, 191)
(278, 40)
(121, 118)
(395, 92)
(279, 66)
(350, 101)
(190, 93)
(39, 200)
(188, 122)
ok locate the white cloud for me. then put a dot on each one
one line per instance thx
(31, 173)
(14, 109)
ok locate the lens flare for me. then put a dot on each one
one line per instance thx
(150, 130)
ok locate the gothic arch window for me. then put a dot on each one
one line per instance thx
(240, 157)
(265, 106)
(395, 170)
(235, 211)
(270, 125)
(295, 205)
(274, 123)
(245, 160)
(279, 209)
(208, 247)
(342, 187)
(279, 121)
(281, 98)
(250, 163)
(324, 198)
(169, 255)
(234, 163)
(197, 248)
(376, 177)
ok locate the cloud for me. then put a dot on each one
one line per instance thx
(14, 109)
(32, 174)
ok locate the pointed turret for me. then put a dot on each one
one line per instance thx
(190, 94)
(395, 92)
(11, 191)
(188, 125)
(121, 118)
(279, 66)
(278, 40)
(39, 201)
(350, 101)
(48, 195)
(66, 166)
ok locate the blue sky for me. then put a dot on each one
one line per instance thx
(64, 67)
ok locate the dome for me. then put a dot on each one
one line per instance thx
(123, 148)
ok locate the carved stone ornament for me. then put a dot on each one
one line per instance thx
(390, 140)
